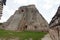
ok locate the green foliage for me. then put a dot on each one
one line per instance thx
(22, 35)
(1, 23)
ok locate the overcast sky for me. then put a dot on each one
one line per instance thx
(47, 8)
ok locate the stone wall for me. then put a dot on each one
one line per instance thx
(55, 26)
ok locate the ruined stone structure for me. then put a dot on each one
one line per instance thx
(2, 2)
(55, 26)
(26, 18)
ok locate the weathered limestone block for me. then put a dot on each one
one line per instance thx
(53, 34)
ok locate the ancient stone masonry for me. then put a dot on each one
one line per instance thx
(2, 2)
(26, 18)
(55, 26)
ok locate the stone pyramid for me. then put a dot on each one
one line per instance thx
(26, 18)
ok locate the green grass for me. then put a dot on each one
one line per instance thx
(22, 35)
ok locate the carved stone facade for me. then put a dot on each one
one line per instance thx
(26, 18)
(2, 2)
(1, 8)
(55, 26)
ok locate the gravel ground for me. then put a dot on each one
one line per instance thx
(46, 37)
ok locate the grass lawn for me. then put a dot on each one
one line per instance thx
(22, 35)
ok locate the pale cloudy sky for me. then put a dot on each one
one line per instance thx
(47, 8)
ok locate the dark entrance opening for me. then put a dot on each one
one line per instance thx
(22, 10)
(25, 27)
(35, 27)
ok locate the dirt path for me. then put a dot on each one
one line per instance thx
(47, 37)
